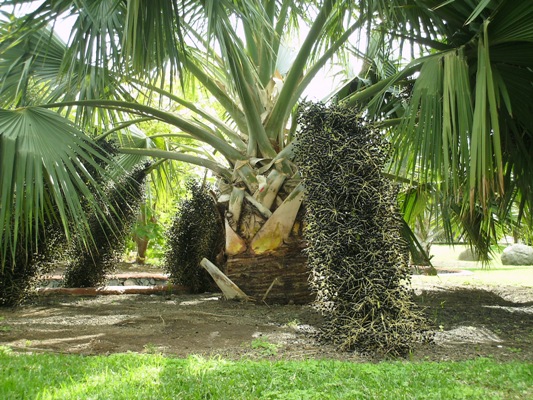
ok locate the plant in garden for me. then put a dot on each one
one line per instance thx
(357, 255)
(234, 52)
(145, 230)
(43, 187)
(461, 126)
(461, 130)
(197, 232)
(264, 347)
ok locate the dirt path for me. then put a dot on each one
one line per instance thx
(469, 322)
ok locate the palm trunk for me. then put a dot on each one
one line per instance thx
(142, 246)
(277, 277)
(264, 241)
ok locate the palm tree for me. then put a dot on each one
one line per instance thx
(110, 75)
(457, 114)
(461, 128)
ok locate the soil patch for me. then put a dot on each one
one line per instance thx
(469, 321)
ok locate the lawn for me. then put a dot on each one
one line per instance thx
(136, 376)
(492, 274)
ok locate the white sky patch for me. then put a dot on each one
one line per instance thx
(333, 75)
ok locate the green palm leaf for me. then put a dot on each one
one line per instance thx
(467, 128)
(45, 162)
(137, 35)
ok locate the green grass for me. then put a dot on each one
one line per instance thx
(136, 376)
(264, 347)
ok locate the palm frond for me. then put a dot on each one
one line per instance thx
(32, 71)
(467, 126)
(28, 66)
(137, 35)
(45, 175)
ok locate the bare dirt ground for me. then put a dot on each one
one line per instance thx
(470, 321)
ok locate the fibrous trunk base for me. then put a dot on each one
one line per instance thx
(280, 277)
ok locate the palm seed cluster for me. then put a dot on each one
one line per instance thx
(358, 258)
(196, 232)
(90, 262)
(19, 274)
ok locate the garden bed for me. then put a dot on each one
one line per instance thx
(469, 321)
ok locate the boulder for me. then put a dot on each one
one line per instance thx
(468, 255)
(518, 254)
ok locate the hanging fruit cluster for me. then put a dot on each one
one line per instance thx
(358, 259)
(89, 263)
(20, 272)
(195, 233)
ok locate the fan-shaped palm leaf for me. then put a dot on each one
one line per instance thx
(45, 162)
(137, 36)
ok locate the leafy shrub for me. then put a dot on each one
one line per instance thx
(195, 233)
(357, 255)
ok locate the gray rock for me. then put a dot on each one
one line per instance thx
(468, 255)
(518, 254)
(130, 282)
(113, 282)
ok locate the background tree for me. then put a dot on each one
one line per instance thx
(456, 113)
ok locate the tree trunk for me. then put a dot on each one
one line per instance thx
(264, 237)
(142, 246)
(277, 277)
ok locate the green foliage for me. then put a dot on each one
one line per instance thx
(45, 179)
(163, 187)
(90, 262)
(154, 229)
(149, 227)
(356, 251)
(31, 258)
(147, 231)
(196, 232)
(143, 376)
